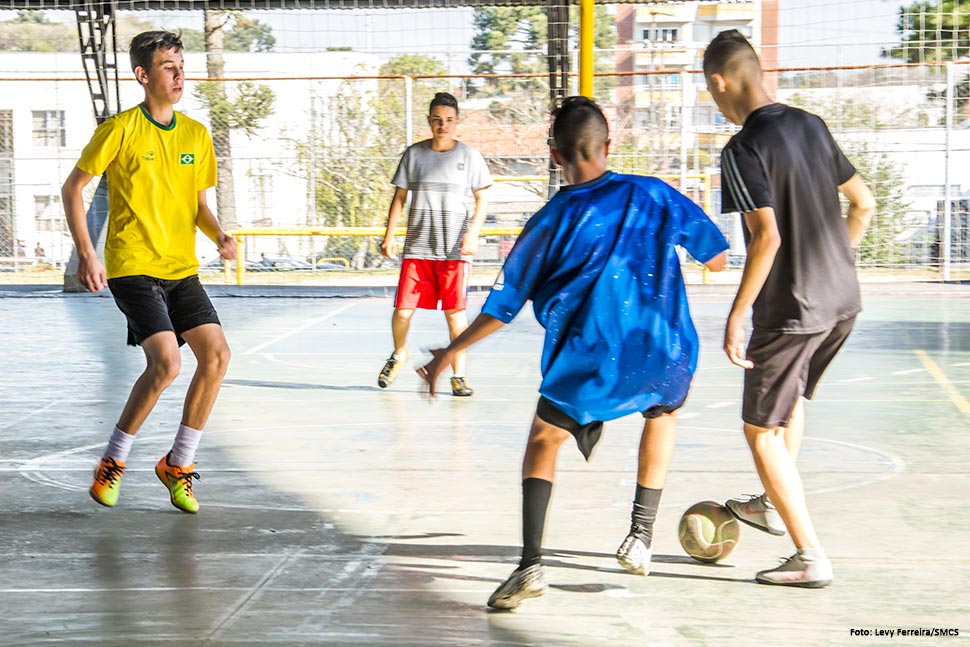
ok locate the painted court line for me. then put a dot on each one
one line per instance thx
(912, 370)
(955, 396)
(308, 324)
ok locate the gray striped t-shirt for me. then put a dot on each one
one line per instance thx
(439, 184)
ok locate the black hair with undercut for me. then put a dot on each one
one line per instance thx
(443, 99)
(728, 52)
(144, 45)
(579, 128)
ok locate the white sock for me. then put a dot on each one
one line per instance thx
(812, 553)
(401, 355)
(118, 445)
(183, 449)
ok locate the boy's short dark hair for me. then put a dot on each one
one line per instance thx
(144, 45)
(579, 128)
(443, 99)
(729, 50)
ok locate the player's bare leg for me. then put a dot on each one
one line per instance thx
(457, 323)
(538, 472)
(163, 365)
(657, 444)
(400, 325)
(208, 344)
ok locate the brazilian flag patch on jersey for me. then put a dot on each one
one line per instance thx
(186, 159)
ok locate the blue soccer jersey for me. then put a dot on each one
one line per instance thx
(600, 264)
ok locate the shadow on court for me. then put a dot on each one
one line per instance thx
(336, 513)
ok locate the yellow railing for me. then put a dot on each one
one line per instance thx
(242, 234)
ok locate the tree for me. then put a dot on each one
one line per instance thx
(357, 138)
(936, 32)
(514, 39)
(240, 34)
(31, 31)
(350, 163)
(932, 32)
(390, 109)
(881, 244)
(250, 104)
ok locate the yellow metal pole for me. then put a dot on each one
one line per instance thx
(586, 8)
(240, 258)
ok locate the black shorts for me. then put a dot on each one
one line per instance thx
(152, 305)
(589, 434)
(787, 366)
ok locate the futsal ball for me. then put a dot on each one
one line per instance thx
(708, 532)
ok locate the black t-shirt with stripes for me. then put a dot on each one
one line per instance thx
(786, 159)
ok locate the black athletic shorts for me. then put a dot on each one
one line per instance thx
(589, 434)
(152, 305)
(787, 366)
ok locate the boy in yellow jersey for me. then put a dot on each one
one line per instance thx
(158, 165)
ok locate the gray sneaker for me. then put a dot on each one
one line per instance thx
(460, 387)
(807, 568)
(523, 583)
(634, 556)
(758, 512)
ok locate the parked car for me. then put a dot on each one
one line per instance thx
(283, 265)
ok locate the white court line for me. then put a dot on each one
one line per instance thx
(288, 589)
(857, 379)
(961, 364)
(308, 324)
(907, 372)
(226, 619)
(688, 416)
(720, 405)
(32, 413)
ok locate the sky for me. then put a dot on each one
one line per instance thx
(835, 32)
(811, 32)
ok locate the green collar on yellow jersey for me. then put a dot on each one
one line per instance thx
(149, 118)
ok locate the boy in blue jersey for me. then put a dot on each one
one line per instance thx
(599, 262)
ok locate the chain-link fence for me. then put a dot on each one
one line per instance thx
(310, 140)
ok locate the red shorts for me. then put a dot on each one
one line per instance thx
(425, 282)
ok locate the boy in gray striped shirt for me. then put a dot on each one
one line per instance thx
(441, 237)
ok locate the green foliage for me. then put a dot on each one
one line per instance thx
(358, 137)
(242, 34)
(31, 17)
(932, 31)
(886, 178)
(936, 32)
(514, 40)
(193, 40)
(38, 35)
(243, 110)
(389, 107)
(351, 165)
(248, 35)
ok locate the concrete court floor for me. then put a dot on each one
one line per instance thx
(335, 513)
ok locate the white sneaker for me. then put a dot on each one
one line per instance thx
(758, 512)
(809, 568)
(634, 556)
(523, 583)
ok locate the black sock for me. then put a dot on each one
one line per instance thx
(645, 504)
(535, 501)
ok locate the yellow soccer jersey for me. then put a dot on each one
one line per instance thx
(154, 176)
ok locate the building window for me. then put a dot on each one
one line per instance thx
(47, 213)
(661, 35)
(48, 128)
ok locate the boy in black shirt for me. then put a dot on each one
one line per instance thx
(783, 172)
